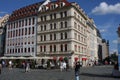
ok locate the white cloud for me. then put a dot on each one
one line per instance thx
(104, 8)
(115, 41)
(102, 30)
(2, 12)
(113, 50)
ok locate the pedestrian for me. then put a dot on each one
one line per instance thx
(64, 65)
(61, 66)
(10, 65)
(0, 68)
(77, 70)
(27, 67)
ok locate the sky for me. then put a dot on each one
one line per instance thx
(105, 13)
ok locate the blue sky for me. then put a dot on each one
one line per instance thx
(106, 14)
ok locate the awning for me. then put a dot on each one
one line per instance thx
(61, 58)
(23, 57)
(84, 59)
(54, 58)
(76, 58)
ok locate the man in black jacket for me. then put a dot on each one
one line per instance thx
(77, 70)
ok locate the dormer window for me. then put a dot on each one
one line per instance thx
(44, 8)
(52, 6)
(62, 4)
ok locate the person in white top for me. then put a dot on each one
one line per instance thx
(10, 64)
(64, 65)
(61, 66)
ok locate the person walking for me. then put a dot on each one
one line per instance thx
(27, 69)
(77, 70)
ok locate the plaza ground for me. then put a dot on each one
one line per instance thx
(86, 73)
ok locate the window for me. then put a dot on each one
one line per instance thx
(65, 24)
(50, 48)
(65, 47)
(19, 32)
(18, 50)
(54, 48)
(32, 30)
(79, 48)
(75, 25)
(54, 15)
(29, 30)
(44, 48)
(65, 13)
(25, 31)
(32, 49)
(51, 16)
(65, 35)
(51, 26)
(61, 47)
(50, 36)
(62, 4)
(61, 35)
(28, 49)
(22, 22)
(61, 14)
(25, 22)
(45, 17)
(75, 47)
(21, 50)
(61, 24)
(44, 37)
(75, 34)
(22, 31)
(75, 14)
(29, 21)
(41, 38)
(25, 50)
(79, 27)
(19, 23)
(44, 27)
(41, 18)
(16, 24)
(41, 28)
(78, 37)
(33, 21)
(54, 36)
(54, 25)
(40, 48)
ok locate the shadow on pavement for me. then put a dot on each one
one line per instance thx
(98, 75)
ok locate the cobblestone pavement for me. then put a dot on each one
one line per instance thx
(86, 73)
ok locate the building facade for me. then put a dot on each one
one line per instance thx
(21, 31)
(105, 48)
(3, 22)
(63, 32)
(52, 30)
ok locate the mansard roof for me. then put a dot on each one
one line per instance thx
(27, 11)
